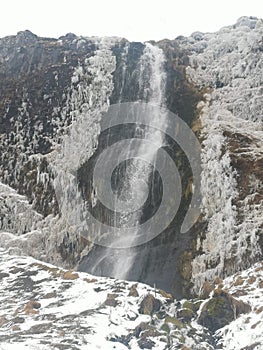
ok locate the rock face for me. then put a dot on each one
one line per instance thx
(53, 94)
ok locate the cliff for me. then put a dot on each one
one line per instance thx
(54, 94)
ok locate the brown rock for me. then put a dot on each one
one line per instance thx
(33, 304)
(149, 305)
(185, 314)
(251, 280)
(218, 280)
(239, 281)
(3, 321)
(166, 295)
(140, 328)
(70, 275)
(259, 310)
(90, 280)
(32, 307)
(221, 309)
(50, 295)
(18, 319)
(133, 291)
(111, 300)
(207, 288)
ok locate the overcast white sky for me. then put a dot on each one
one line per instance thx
(137, 20)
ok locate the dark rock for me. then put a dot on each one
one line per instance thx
(252, 346)
(111, 300)
(133, 291)
(185, 314)
(18, 320)
(149, 305)
(122, 339)
(33, 304)
(146, 343)
(50, 295)
(221, 309)
(39, 328)
(140, 328)
(3, 321)
(25, 284)
(174, 321)
(3, 275)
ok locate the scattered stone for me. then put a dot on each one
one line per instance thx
(218, 280)
(149, 305)
(32, 307)
(239, 293)
(50, 295)
(70, 275)
(252, 347)
(54, 271)
(146, 343)
(61, 333)
(90, 280)
(259, 310)
(18, 319)
(140, 328)
(16, 270)
(3, 275)
(185, 314)
(255, 325)
(111, 300)
(177, 323)
(133, 291)
(25, 284)
(239, 281)
(194, 306)
(165, 328)
(207, 288)
(251, 280)
(29, 273)
(166, 295)
(39, 328)
(3, 321)
(221, 309)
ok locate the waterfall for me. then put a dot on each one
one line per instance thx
(135, 183)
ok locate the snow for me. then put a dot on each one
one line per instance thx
(75, 313)
(229, 64)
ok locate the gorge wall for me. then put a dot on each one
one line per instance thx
(54, 94)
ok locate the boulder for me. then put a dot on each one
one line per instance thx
(133, 291)
(111, 300)
(149, 305)
(221, 309)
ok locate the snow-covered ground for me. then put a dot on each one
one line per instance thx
(44, 307)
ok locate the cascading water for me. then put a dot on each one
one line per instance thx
(136, 180)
